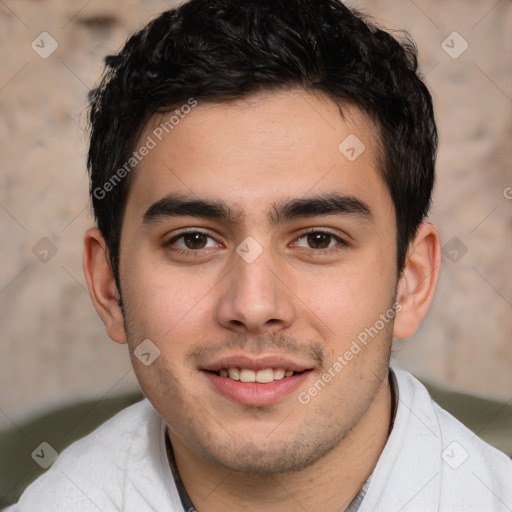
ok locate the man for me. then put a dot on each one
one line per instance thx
(260, 174)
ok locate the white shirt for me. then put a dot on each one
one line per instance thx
(431, 463)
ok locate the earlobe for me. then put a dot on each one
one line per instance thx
(417, 284)
(102, 286)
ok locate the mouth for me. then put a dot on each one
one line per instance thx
(263, 376)
(256, 382)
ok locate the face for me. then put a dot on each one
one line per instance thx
(254, 253)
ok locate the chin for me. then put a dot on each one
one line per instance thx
(266, 458)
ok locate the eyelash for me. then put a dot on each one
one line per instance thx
(340, 241)
(197, 252)
(187, 252)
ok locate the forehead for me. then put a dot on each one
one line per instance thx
(259, 150)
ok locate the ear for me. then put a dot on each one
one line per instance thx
(418, 281)
(102, 285)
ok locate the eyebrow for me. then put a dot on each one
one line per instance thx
(325, 204)
(181, 206)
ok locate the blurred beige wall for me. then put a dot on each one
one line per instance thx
(54, 349)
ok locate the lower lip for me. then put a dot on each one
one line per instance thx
(254, 393)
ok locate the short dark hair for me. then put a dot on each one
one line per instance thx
(222, 50)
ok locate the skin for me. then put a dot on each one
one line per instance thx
(298, 299)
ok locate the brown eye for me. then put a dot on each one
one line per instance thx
(192, 244)
(195, 240)
(319, 240)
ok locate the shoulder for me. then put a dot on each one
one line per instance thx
(470, 462)
(100, 470)
(471, 473)
(111, 444)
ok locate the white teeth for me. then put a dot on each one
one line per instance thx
(234, 373)
(247, 375)
(278, 373)
(262, 376)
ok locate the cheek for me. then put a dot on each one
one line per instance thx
(167, 308)
(349, 298)
(162, 301)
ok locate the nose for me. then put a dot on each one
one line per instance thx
(254, 298)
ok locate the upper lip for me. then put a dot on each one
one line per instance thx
(255, 363)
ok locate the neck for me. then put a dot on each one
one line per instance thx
(330, 484)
